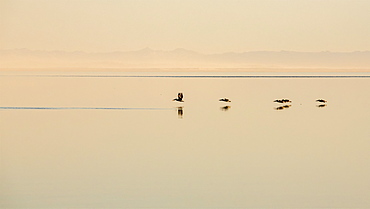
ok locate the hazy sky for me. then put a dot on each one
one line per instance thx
(208, 26)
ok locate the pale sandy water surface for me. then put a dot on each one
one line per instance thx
(87, 141)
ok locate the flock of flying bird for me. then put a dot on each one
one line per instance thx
(322, 102)
(180, 96)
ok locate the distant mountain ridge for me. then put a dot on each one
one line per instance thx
(183, 58)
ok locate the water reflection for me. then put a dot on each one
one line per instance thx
(225, 108)
(321, 105)
(180, 112)
(282, 107)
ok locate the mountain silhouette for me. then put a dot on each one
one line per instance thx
(183, 58)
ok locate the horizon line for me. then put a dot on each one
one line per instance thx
(183, 49)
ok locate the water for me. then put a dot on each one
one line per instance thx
(102, 140)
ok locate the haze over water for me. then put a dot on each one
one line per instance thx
(91, 141)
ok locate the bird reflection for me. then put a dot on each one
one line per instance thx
(180, 112)
(283, 107)
(321, 105)
(225, 108)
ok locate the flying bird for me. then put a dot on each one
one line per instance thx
(179, 97)
(321, 100)
(278, 101)
(224, 100)
(283, 101)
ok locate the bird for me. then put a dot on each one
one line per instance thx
(282, 101)
(321, 100)
(179, 97)
(278, 101)
(224, 100)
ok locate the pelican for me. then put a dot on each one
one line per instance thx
(279, 101)
(179, 97)
(283, 101)
(224, 100)
(321, 100)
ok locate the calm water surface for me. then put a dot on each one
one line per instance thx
(121, 142)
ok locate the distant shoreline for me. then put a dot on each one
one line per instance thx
(186, 60)
(200, 69)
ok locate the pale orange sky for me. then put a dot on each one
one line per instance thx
(206, 26)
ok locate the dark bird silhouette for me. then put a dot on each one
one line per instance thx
(321, 100)
(283, 101)
(224, 100)
(179, 97)
(279, 101)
